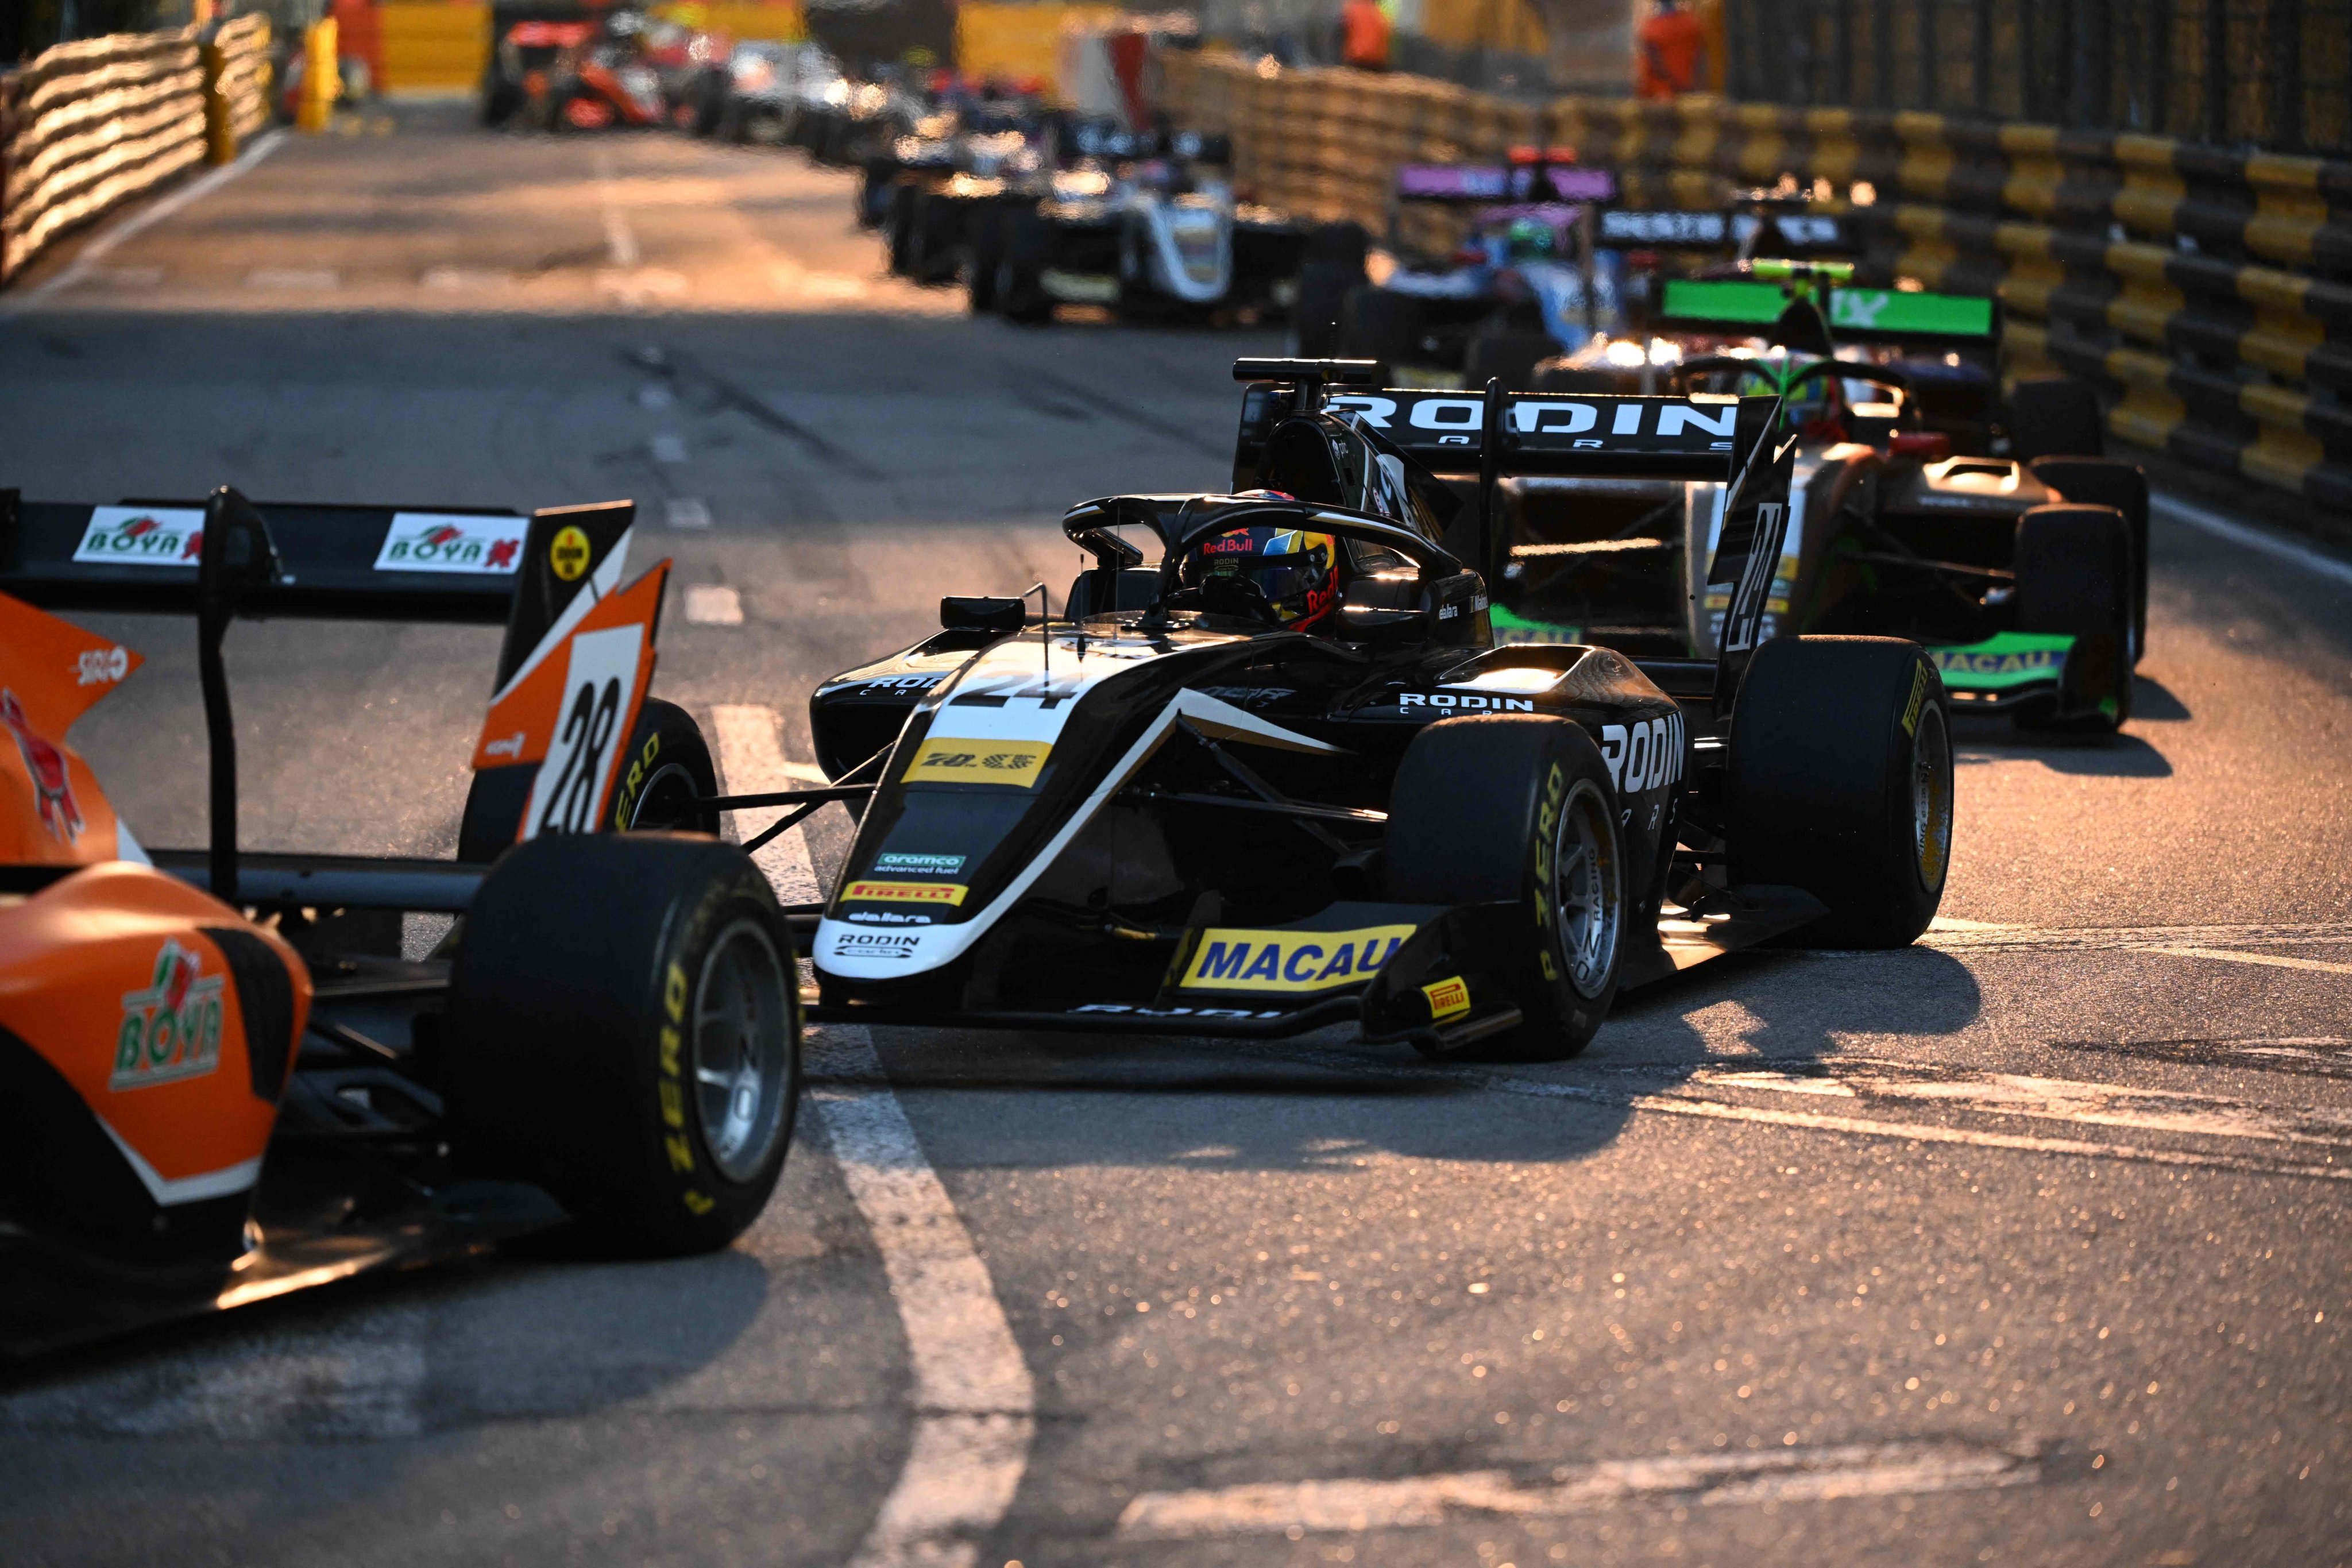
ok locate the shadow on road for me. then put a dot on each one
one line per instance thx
(1325, 1102)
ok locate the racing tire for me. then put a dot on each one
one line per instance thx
(624, 1031)
(898, 228)
(2096, 481)
(667, 766)
(1508, 356)
(981, 257)
(1377, 325)
(2053, 416)
(2074, 573)
(1028, 243)
(1315, 313)
(1840, 784)
(934, 242)
(1518, 808)
(874, 192)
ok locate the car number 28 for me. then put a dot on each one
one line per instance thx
(580, 758)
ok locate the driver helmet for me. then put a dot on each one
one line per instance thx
(1299, 573)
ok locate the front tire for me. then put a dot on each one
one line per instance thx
(1840, 784)
(624, 1031)
(1518, 809)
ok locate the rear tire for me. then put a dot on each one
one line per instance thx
(1021, 294)
(2097, 482)
(1508, 356)
(1840, 784)
(2074, 577)
(1377, 325)
(981, 257)
(668, 764)
(2055, 415)
(623, 1030)
(1520, 809)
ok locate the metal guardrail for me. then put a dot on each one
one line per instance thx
(2209, 292)
(86, 126)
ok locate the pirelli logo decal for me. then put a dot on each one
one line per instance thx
(1448, 999)
(1012, 763)
(948, 894)
(1291, 963)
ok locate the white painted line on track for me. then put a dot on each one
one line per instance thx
(2274, 960)
(1958, 938)
(620, 240)
(2178, 510)
(1913, 1131)
(312, 280)
(2052, 1100)
(686, 512)
(751, 761)
(714, 605)
(97, 250)
(668, 447)
(1701, 1480)
(974, 1401)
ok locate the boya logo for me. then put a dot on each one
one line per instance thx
(438, 541)
(1289, 961)
(101, 666)
(172, 1029)
(141, 536)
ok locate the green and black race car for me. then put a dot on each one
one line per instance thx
(1926, 503)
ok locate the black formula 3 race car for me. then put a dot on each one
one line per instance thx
(1282, 778)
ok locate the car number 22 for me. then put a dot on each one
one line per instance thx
(597, 686)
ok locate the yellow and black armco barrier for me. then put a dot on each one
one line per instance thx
(2209, 292)
(86, 126)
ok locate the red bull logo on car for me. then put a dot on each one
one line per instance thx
(141, 536)
(434, 542)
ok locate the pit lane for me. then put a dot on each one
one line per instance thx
(2019, 1245)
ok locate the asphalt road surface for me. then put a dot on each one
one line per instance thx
(2025, 1245)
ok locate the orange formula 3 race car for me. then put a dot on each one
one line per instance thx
(220, 1081)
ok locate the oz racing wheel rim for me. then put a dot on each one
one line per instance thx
(1931, 796)
(742, 1049)
(666, 801)
(1587, 889)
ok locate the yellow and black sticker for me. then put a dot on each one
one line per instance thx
(1918, 695)
(569, 554)
(949, 893)
(1016, 763)
(1448, 999)
(1293, 962)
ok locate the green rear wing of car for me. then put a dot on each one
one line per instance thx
(1867, 315)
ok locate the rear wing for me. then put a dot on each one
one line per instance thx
(578, 643)
(1767, 233)
(1865, 315)
(1498, 435)
(1486, 185)
(1566, 436)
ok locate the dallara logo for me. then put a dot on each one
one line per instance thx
(1295, 961)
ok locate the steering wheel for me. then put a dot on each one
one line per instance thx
(1236, 597)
